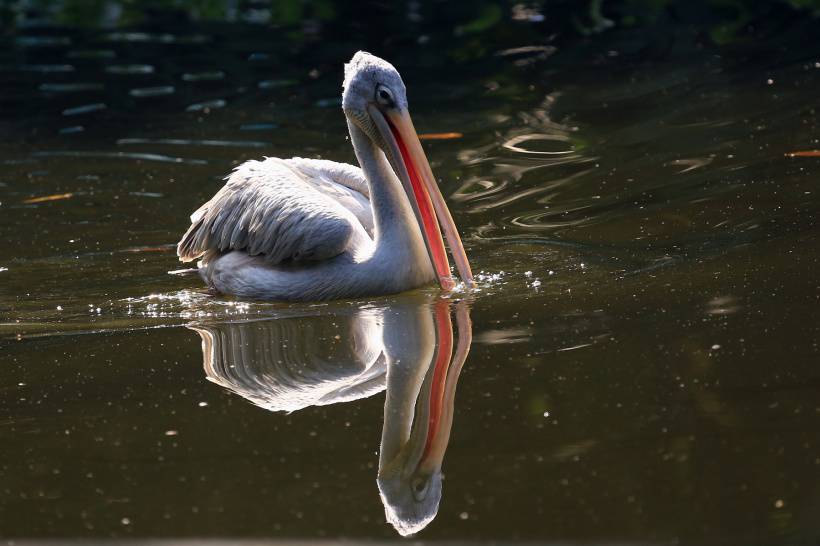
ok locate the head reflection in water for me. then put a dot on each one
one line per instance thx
(407, 348)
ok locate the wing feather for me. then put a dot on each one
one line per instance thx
(284, 210)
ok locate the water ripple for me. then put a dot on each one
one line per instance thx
(527, 55)
(84, 109)
(121, 155)
(69, 87)
(43, 41)
(207, 105)
(129, 69)
(209, 76)
(147, 92)
(514, 144)
(146, 37)
(92, 54)
(42, 68)
(194, 142)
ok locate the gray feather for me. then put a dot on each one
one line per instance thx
(296, 209)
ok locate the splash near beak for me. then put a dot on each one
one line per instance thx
(429, 205)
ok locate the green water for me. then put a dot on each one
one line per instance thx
(643, 364)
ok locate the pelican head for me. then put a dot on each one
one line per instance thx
(413, 445)
(410, 501)
(375, 101)
(410, 482)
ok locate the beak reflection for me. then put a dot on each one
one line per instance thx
(413, 349)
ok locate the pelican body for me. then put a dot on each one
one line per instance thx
(305, 229)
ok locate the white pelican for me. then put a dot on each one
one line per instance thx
(304, 229)
(295, 362)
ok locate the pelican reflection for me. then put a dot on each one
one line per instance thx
(408, 349)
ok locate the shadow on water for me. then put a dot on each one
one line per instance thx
(405, 349)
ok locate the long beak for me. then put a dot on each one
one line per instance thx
(435, 404)
(445, 379)
(428, 204)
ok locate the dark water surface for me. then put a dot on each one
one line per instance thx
(644, 356)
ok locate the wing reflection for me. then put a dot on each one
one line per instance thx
(288, 364)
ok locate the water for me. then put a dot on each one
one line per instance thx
(639, 361)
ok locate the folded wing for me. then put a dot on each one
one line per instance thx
(283, 210)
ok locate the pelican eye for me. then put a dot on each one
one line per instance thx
(419, 486)
(384, 96)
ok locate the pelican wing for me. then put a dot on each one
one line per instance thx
(290, 363)
(296, 209)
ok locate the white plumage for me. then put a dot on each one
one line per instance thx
(306, 229)
(292, 210)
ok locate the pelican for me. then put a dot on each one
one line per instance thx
(289, 364)
(305, 229)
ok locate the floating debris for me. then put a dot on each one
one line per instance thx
(440, 136)
(159, 91)
(84, 109)
(205, 106)
(804, 153)
(47, 198)
(258, 57)
(74, 129)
